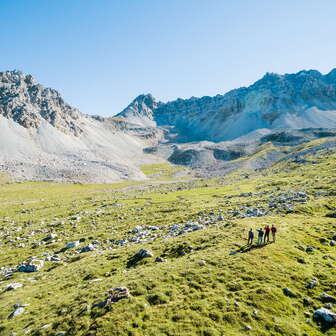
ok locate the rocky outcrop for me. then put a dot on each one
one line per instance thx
(29, 103)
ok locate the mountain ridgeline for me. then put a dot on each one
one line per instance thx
(44, 138)
(306, 99)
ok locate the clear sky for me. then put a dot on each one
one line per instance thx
(101, 54)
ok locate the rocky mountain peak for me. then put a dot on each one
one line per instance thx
(30, 104)
(141, 106)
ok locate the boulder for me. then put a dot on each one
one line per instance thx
(32, 266)
(142, 253)
(137, 229)
(325, 316)
(311, 284)
(72, 244)
(50, 237)
(116, 294)
(88, 248)
(326, 298)
(18, 310)
(13, 286)
(289, 293)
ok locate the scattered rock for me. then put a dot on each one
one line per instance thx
(32, 266)
(307, 301)
(76, 218)
(13, 286)
(310, 249)
(326, 298)
(88, 248)
(46, 326)
(160, 259)
(325, 316)
(72, 244)
(142, 253)
(311, 284)
(289, 293)
(50, 237)
(18, 310)
(116, 294)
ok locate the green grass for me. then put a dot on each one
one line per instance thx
(181, 296)
(162, 171)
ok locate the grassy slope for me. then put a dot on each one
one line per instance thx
(180, 296)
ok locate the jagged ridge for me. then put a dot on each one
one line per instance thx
(275, 102)
(29, 103)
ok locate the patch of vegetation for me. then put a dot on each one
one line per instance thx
(208, 281)
(164, 171)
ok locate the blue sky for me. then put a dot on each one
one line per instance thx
(101, 54)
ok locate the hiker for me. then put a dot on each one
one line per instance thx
(250, 237)
(267, 233)
(260, 236)
(274, 230)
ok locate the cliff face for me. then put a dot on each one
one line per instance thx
(292, 101)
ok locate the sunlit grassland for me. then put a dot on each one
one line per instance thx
(181, 296)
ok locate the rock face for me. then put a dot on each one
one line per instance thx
(29, 103)
(306, 99)
(140, 111)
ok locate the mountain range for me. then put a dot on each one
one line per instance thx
(44, 138)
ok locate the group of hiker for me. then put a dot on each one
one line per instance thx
(263, 235)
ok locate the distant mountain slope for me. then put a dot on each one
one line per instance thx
(306, 99)
(42, 137)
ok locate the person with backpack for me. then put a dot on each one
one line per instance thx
(274, 230)
(260, 236)
(267, 233)
(250, 237)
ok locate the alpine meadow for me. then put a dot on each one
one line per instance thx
(201, 216)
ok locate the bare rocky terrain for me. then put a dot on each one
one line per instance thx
(44, 138)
